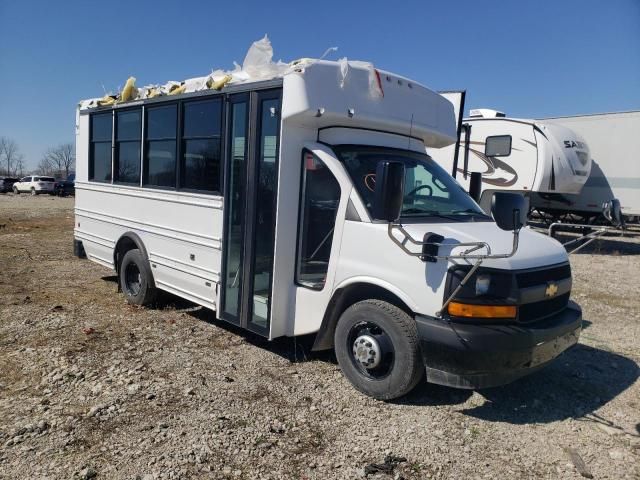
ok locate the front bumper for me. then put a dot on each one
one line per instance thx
(466, 355)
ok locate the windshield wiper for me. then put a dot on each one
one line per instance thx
(429, 213)
(470, 211)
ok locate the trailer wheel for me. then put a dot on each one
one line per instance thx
(377, 348)
(136, 279)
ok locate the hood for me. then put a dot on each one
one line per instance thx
(534, 249)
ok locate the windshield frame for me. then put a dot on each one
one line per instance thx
(430, 165)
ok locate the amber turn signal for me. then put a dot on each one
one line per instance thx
(456, 309)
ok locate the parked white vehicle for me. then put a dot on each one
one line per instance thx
(34, 185)
(520, 155)
(615, 148)
(306, 205)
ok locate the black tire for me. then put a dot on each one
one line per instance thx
(16, 191)
(136, 280)
(33, 192)
(400, 366)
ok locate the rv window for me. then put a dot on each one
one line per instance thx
(200, 163)
(498, 146)
(127, 158)
(160, 149)
(100, 147)
(320, 198)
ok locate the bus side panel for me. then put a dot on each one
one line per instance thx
(181, 233)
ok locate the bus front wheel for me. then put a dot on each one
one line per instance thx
(378, 349)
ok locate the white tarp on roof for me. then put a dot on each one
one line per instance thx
(258, 65)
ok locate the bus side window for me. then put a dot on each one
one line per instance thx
(320, 199)
(100, 147)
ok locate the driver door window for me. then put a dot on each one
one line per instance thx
(320, 199)
(420, 182)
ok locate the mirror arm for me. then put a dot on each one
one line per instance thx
(464, 255)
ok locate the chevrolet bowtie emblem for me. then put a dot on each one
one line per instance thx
(551, 290)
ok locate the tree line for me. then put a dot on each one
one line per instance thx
(11, 160)
(57, 161)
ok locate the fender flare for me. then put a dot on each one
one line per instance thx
(341, 300)
(133, 237)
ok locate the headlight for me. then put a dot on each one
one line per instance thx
(483, 282)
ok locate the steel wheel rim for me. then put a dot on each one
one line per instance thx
(371, 350)
(132, 280)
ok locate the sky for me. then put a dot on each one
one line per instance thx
(528, 59)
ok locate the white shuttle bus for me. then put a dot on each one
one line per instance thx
(306, 205)
(542, 160)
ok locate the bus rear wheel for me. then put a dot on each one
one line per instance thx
(378, 350)
(136, 279)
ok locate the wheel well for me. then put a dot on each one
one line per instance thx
(128, 241)
(342, 299)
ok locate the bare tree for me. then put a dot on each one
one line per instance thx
(45, 167)
(19, 167)
(58, 160)
(10, 155)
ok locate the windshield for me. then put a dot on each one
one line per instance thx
(429, 191)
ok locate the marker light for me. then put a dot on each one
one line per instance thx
(457, 309)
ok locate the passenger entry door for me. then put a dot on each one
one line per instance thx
(253, 127)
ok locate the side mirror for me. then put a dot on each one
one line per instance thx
(389, 191)
(509, 210)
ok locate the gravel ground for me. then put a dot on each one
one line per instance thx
(92, 387)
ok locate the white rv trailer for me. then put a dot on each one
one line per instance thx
(517, 155)
(614, 143)
(307, 205)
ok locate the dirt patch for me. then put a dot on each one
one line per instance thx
(90, 385)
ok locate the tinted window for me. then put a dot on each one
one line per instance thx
(128, 125)
(127, 151)
(100, 167)
(160, 153)
(498, 146)
(202, 119)
(128, 162)
(234, 210)
(320, 197)
(101, 127)
(200, 165)
(161, 163)
(161, 122)
(267, 174)
(100, 148)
